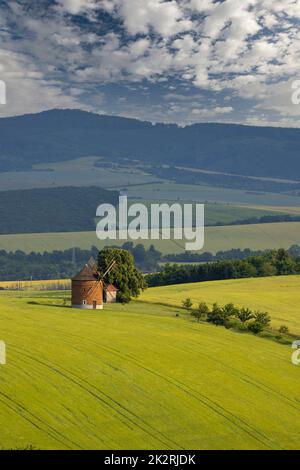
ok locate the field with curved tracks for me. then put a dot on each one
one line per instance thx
(139, 377)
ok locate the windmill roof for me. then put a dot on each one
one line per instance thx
(92, 264)
(86, 274)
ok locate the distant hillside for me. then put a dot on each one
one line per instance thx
(52, 210)
(66, 134)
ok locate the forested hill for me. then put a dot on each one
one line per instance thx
(66, 134)
(63, 209)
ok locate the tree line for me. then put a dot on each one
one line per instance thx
(272, 263)
(230, 316)
(19, 266)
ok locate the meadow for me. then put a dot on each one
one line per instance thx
(279, 296)
(141, 376)
(256, 237)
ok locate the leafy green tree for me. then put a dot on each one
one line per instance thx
(187, 304)
(244, 315)
(128, 279)
(201, 312)
(284, 263)
(261, 321)
(230, 310)
(216, 315)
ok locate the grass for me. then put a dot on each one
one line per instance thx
(256, 237)
(279, 296)
(138, 377)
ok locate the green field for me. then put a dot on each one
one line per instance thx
(256, 237)
(138, 377)
(203, 193)
(280, 296)
(79, 172)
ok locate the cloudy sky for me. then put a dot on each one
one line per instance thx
(161, 60)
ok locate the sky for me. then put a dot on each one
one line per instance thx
(177, 61)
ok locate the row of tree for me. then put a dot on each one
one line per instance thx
(19, 266)
(273, 263)
(229, 316)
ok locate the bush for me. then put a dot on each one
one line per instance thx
(284, 330)
(244, 315)
(217, 316)
(187, 304)
(260, 322)
(201, 312)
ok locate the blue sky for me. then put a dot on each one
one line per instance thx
(162, 60)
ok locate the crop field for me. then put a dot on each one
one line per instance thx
(60, 284)
(217, 213)
(279, 296)
(202, 193)
(139, 377)
(79, 172)
(256, 237)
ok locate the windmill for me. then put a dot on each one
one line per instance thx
(101, 276)
(88, 286)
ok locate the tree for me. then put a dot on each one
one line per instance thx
(128, 280)
(260, 321)
(187, 304)
(230, 310)
(201, 312)
(216, 316)
(244, 315)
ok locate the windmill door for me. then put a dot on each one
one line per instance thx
(94, 304)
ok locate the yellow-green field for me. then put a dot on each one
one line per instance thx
(280, 296)
(256, 237)
(36, 285)
(140, 377)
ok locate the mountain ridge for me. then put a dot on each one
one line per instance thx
(64, 134)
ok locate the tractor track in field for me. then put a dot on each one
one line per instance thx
(20, 410)
(215, 407)
(247, 379)
(154, 433)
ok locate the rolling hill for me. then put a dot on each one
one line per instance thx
(58, 135)
(280, 296)
(139, 377)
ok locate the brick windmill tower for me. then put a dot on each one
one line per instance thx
(88, 286)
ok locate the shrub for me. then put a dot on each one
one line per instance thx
(284, 330)
(260, 321)
(244, 315)
(187, 304)
(217, 316)
(201, 312)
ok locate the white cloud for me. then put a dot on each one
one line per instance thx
(249, 49)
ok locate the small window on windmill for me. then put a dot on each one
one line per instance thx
(84, 302)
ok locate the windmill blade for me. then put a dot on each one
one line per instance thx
(112, 264)
(92, 264)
